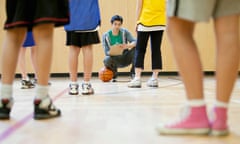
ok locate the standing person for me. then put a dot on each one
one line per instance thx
(26, 82)
(151, 22)
(40, 16)
(182, 17)
(119, 36)
(81, 35)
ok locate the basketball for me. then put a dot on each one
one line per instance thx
(105, 74)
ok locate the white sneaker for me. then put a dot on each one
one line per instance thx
(152, 82)
(73, 89)
(87, 89)
(135, 83)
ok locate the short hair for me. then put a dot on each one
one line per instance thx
(116, 18)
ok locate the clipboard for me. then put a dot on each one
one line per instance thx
(115, 50)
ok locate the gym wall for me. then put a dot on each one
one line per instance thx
(127, 9)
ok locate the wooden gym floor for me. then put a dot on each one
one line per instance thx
(114, 115)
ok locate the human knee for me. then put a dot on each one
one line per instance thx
(108, 61)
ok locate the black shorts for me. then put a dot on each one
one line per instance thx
(81, 39)
(27, 13)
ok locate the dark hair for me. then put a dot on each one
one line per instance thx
(116, 18)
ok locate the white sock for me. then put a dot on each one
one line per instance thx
(137, 78)
(221, 104)
(74, 82)
(86, 82)
(154, 76)
(6, 91)
(41, 92)
(196, 102)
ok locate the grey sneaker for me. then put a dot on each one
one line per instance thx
(87, 89)
(73, 89)
(135, 83)
(152, 82)
(27, 84)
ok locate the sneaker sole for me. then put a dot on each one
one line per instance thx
(134, 86)
(73, 93)
(154, 86)
(88, 93)
(219, 132)
(4, 117)
(200, 131)
(27, 87)
(41, 116)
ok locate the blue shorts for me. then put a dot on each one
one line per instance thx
(29, 41)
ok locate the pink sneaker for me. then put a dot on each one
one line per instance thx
(193, 121)
(219, 122)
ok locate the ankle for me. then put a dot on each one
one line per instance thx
(221, 104)
(196, 103)
(41, 92)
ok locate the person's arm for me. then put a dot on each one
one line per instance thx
(105, 44)
(139, 10)
(130, 39)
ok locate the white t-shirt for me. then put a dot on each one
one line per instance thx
(152, 28)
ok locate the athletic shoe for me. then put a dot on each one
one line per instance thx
(73, 89)
(193, 121)
(27, 84)
(87, 89)
(135, 83)
(219, 123)
(44, 109)
(152, 82)
(5, 108)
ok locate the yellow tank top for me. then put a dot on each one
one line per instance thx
(153, 13)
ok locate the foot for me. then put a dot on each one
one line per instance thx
(73, 89)
(193, 121)
(27, 84)
(44, 109)
(135, 83)
(152, 82)
(5, 108)
(219, 123)
(87, 89)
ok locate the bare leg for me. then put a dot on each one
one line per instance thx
(138, 72)
(180, 33)
(228, 51)
(33, 59)
(73, 62)
(10, 52)
(155, 74)
(43, 35)
(21, 63)
(87, 62)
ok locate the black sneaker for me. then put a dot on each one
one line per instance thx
(27, 84)
(73, 89)
(5, 108)
(45, 111)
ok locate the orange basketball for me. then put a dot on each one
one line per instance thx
(105, 74)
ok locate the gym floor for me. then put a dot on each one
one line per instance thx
(115, 114)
